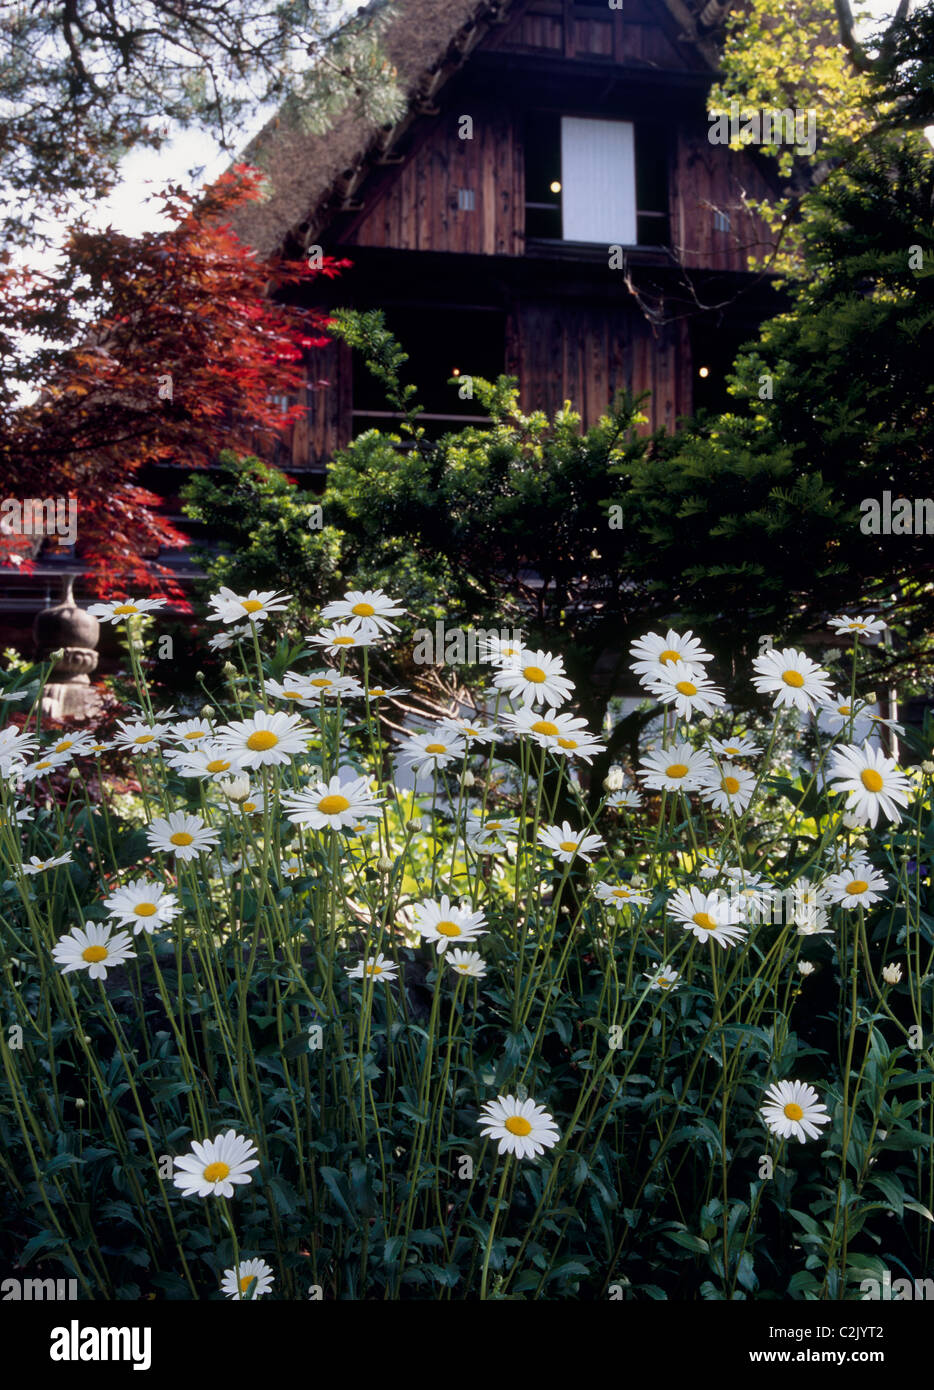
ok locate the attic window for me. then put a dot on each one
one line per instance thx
(721, 220)
(596, 181)
(466, 200)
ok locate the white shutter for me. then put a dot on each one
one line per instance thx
(598, 181)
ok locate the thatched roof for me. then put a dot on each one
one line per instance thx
(308, 175)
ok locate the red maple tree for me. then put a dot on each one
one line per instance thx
(162, 347)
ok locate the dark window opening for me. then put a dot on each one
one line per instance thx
(442, 343)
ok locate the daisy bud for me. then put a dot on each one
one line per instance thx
(56, 656)
(384, 864)
(199, 675)
(235, 788)
(229, 670)
(871, 697)
(86, 1039)
(613, 781)
(806, 967)
(413, 826)
(80, 1104)
(207, 711)
(892, 974)
(927, 768)
(469, 779)
(73, 774)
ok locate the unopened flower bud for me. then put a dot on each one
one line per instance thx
(613, 781)
(469, 779)
(80, 1104)
(413, 826)
(73, 774)
(235, 788)
(56, 656)
(871, 697)
(384, 864)
(927, 768)
(229, 670)
(891, 974)
(199, 675)
(806, 967)
(207, 711)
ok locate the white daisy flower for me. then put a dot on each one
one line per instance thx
(216, 1166)
(255, 1274)
(502, 651)
(182, 834)
(144, 903)
(620, 894)
(859, 885)
(662, 978)
(892, 973)
(861, 626)
(793, 678)
(469, 731)
(873, 781)
(546, 729)
(383, 692)
(344, 637)
(16, 746)
(42, 766)
(654, 654)
(292, 868)
(492, 831)
(811, 921)
(101, 747)
(333, 805)
(439, 921)
(39, 866)
(222, 641)
(839, 713)
(740, 747)
(806, 967)
(265, 739)
(520, 1127)
(378, 967)
(97, 948)
(205, 760)
(252, 804)
(677, 768)
(255, 608)
(793, 1110)
(728, 788)
(535, 678)
(625, 800)
(122, 609)
(11, 821)
(192, 731)
(565, 843)
(369, 609)
(71, 746)
(139, 737)
(687, 689)
(435, 749)
(467, 963)
(710, 916)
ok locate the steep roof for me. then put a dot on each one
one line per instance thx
(426, 41)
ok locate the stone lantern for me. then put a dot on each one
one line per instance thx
(67, 628)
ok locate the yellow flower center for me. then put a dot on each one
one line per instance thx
(249, 805)
(216, 1172)
(494, 825)
(686, 688)
(251, 605)
(620, 893)
(94, 953)
(858, 627)
(793, 678)
(544, 726)
(374, 970)
(871, 780)
(145, 738)
(145, 909)
(858, 885)
(343, 641)
(246, 1281)
(435, 748)
(843, 709)
(569, 845)
(125, 608)
(181, 837)
(195, 734)
(377, 690)
(732, 752)
(669, 655)
(535, 674)
(676, 770)
(62, 747)
(704, 920)
(261, 740)
(363, 610)
(663, 983)
(217, 765)
(333, 805)
(730, 784)
(292, 694)
(447, 928)
(793, 1111)
(518, 1124)
(43, 765)
(321, 682)
(567, 742)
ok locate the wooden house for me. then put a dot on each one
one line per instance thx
(550, 206)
